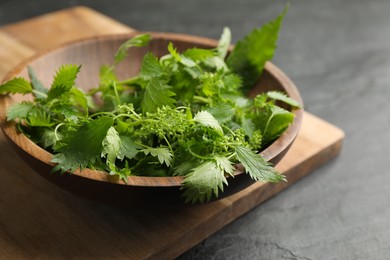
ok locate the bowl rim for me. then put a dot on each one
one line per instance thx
(38, 153)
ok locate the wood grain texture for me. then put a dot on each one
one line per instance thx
(41, 221)
(23, 39)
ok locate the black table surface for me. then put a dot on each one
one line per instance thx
(338, 54)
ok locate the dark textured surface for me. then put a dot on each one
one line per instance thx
(338, 54)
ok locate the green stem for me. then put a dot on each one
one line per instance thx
(169, 145)
(200, 99)
(197, 155)
(102, 113)
(36, 92)
(230, 130)
(56, 130)
(116, 93)
(130, 81)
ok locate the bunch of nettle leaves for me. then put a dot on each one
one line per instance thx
(185, 114)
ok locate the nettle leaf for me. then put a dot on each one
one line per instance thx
(156, 94)
(16, 85)
(185, 167)
(251, 53)
(111, 145)
(203, 181)
(150, 67)
(38, 117)
(216, 63)
(278, 95)
(224, 42)
(186, 61)
(137, 41)
(225, 164)
(223, 112)
(206, 119)
(19, 110)
(106, 75)
(232, 83)
(41, 91)
(197, 54)
(279, 120)
(248, 126)
(80, 98)
(258, 168)
(163, 154)
(128, 148)
(82, 146)
(50, 137)
(63, 82)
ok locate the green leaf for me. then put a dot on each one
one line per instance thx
(258, 168)
(63, 82)
(216, 63)
(186, 61)
(80, 98)
(163, 154)
(19, 110)
(225, 164)
(121, 173)
(185, 167)
(224, 42)
(82, 146)
(111, 145)
(247, 126)
(39, 117)
(222, 112)
(50, 137)
(137, 41)
(150, 67)
(106, 75)
(278, 95)
(40, 90)
(197, 54)
(156, 94)
(203, 181)
(232, 83)
(277, 123)
(256, 139)
(16, 85)
(251, 53)
(206, 119)
(128, 148)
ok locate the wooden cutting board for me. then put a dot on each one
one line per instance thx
(38, 220)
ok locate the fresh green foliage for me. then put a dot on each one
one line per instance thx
(277, 95)
(156, 94)
(16, 85)
(136, 41)
(207, 119)
(203, 181)
(83, 144)
(19, 110)
(256, 166)
(250, 53)
(184, 114)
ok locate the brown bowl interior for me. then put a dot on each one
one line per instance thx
(91, 54)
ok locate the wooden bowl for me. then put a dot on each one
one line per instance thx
(139, 191)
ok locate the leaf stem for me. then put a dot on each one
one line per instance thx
(102, 113)
(37, 92)
(56, 130)
(169, 144)
(116, 93)
(200, 99)
(129, 81)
